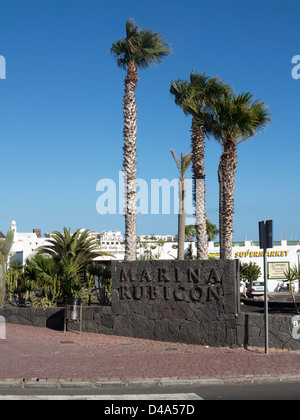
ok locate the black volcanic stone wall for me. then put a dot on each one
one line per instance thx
(187, 301)
(194, 302)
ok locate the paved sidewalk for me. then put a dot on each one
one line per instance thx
(41, 356)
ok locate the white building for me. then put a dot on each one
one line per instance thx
(155, 246)
(25, 244)
(283, 255)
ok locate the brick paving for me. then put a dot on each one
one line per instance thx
(30, 353)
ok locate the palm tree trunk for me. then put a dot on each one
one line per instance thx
(130, 160)
(198, 152)
(293, 297)
(181, 218)
(227, 168)
(220, 178)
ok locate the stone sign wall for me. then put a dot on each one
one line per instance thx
(176, 300)
(194, 302)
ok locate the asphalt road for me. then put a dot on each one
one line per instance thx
(266, 391)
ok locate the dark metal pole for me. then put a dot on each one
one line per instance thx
(266, 303)
(265, 242)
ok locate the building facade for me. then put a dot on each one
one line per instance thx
(283, 255)
(25, 244)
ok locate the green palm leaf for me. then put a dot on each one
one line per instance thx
(143, 47)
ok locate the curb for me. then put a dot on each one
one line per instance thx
(126, 383)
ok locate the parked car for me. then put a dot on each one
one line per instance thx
(256, 288)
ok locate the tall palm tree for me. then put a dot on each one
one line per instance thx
(182, 167)
(139, 49)
(198, 93)
(238, 117)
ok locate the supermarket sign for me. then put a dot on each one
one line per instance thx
(256, 254)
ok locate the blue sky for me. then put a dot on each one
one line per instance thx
(61, 108)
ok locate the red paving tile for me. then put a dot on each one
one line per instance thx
(31, 353)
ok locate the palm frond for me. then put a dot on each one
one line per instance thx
(181, 90)
(183, 164)
(239, 117)
(197, 96)
(176, 159)
(143, 47)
